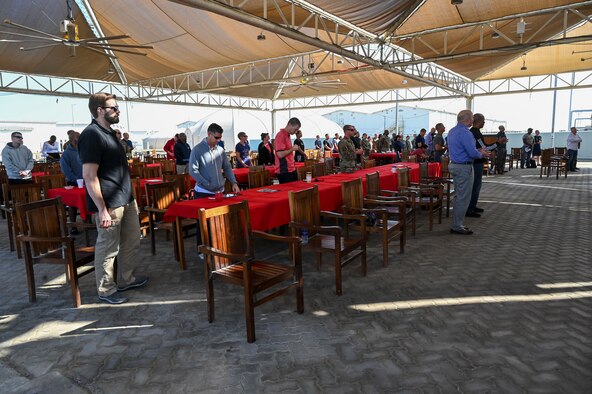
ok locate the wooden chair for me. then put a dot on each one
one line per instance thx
(405, 155)
(412, 159)
(137, 170)
(406, 214)
(227, 245)
(45, 240)
(559, 164)
(319, 169)
(368, 163)
(141, 202)
(448, 191)
(169, 167)
(445, 162)
(377, 217)
(301, 172)
(160, 197)
(258, 179)
(53, 182)
(310, 162)
(330, 165)
(54, 168)
(560, 151)
(152, 172)
(3, 181)
(428, 197)
(14, 195)
(182, 183)
(305, 213)
(40, 167)
(257, 168)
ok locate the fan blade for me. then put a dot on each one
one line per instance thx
(97, 51)
(38, 47)
(31, 36)
(94, 39)
(312, 88)
(118, 45)
(11, 23)
(113, 49)
(18, 41)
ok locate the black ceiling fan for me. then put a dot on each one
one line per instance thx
(70, 38)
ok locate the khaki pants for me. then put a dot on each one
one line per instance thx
(121, 240)
(184, 169)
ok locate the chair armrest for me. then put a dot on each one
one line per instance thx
(279, 238)
(155, 210)
(330, 230)
(27, 238)
(385, 202)
(217, 252)
(335, 215)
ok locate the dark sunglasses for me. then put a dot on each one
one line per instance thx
(20, 137)
(115, 108)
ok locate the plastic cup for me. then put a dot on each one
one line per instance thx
(80, 183)
(308, 177)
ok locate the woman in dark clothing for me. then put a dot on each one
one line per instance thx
(266, 156)
(299, 157)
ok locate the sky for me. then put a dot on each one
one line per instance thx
(519, 110)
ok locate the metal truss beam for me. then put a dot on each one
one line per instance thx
(68, 87)
(336, 36)
(540, 83)
(488, 27)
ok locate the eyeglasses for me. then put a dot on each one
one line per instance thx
(115, 108)
(20, 137)
(218, 137)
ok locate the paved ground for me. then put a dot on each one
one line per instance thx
(508, 309)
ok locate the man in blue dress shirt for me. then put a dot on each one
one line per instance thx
(462, 150)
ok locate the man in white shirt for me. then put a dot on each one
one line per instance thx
(573, 144)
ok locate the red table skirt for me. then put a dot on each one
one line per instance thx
(75, 197)
(269, 210)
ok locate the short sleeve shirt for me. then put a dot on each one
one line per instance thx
(101, 146)
(283, 142)
(243, 151)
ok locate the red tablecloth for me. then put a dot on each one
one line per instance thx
(75, 197)
(241, 174)
(387, 156)
(38, 175)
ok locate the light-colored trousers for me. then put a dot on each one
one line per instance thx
(121, 240)
(463, 186)
(184, 169)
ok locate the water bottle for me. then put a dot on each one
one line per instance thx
(304, 234)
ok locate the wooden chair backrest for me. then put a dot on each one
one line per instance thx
(254, 157)
(369, 163)
(516, 152)
(327, 154)
(168, 167)
(137, 192)
(310, 162)
(53, 182)
(412, 159)
(445, 161)
(161, 195)
(22, 193)
(352, 193)
(560, 151)
(45, 219)
(546, 157)
(423, 170)
(403, 177)
(152, 172)
(305, 206)
(373, 183)
(301, 172)
(182, 183)
(258, 179)
(40, 167)
(330, 165)
(319, 169)
(257, 168)
(405, 155)
(137, 170)
(227, 228)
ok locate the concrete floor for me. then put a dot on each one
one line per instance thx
(508, 310)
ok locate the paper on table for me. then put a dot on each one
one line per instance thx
(267, 190)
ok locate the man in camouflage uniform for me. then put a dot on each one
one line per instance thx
(384, 143)
(347, 150)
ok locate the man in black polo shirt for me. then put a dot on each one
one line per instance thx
(108, 193)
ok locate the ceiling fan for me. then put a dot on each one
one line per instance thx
(69, 29)
(311, 82)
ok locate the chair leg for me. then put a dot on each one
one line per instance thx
(385, 246)
(249, 303)
(338, 289)
(11, 239)
(209, 291)
(74, 286)
(30, 279)
(152, 235)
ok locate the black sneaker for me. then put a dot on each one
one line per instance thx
(479, 210)
(74, 231)
(115, 298)
(138, 282)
